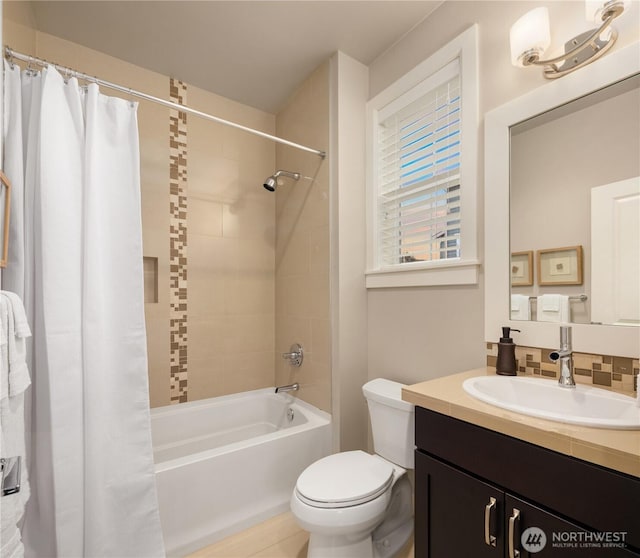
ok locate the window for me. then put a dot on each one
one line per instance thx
(422, 173)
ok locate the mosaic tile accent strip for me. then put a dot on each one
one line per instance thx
(178, 385)
(616, 373)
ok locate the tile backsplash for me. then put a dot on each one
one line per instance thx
(612, 372)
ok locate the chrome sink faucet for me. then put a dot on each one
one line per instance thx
(565, 356)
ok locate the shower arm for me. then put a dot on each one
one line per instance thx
(294, 175)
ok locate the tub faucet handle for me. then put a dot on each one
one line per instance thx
(295, 355)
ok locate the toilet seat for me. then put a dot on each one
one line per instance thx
(344, 479)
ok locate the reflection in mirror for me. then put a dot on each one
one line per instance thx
(575, 204)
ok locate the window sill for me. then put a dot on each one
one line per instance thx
(424, 275)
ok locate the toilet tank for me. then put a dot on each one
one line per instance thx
(392, 421)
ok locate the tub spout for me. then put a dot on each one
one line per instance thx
(290, 387)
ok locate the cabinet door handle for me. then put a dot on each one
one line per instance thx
(513, 551)
(489, 539)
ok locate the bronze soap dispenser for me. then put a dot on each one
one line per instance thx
(506, 361)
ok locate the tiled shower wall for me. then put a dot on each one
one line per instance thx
(201, 185)
(617, 373)
(221, 287)
(303, 239)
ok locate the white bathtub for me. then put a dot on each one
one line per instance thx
(227, 463)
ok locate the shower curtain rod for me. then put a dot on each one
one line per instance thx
(13, 55)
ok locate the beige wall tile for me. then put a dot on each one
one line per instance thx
(210, 254)
(252, 333)
(319, 250)
(204, 217)
(292, 253)
(207, 377)
(255, 254)
(249, 293)
(248, 370)
(211, 177)
(157, 354)
(249, 215)
(321, 341)
(207, 292)
(296, 301)
(302, 242)
(319, 296)
(207, 337)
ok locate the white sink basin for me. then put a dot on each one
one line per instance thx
(582, 405)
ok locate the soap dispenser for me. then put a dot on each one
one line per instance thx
(506, 361)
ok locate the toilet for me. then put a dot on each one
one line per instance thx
(358, 505)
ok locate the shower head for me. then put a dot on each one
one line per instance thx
(271, 183)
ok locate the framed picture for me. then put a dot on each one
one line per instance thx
(560, 266)
(522, 269)
(5, 196)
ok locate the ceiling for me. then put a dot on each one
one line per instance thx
(255, 52)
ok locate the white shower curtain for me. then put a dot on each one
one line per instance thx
(77, 261)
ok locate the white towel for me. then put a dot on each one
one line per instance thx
(553, 308)
(4, 348)
(17, 332)
(12, 506)
(14, 379)
(10, 539)
(19, 314)
(520, 307)
(550, 302)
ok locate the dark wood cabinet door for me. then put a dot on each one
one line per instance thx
(451, 510)
(537, 533)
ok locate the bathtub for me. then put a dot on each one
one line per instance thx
(227, 463)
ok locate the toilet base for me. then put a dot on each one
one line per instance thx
(327, 546)
(356, 533)
(396, 529)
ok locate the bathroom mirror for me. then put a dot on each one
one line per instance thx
(603, 339)
(565, 166)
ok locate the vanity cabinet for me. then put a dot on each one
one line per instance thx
(477, 491)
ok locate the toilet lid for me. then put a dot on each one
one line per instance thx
(344, 479)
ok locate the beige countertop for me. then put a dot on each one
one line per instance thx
(615, 449)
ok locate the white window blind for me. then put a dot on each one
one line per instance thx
(418, 172)
(422, 172)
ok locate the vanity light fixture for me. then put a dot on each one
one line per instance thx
(531, 36)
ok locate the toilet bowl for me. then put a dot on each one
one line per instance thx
(355, 504)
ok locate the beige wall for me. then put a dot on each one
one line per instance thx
(416, 334)
(349, 92)
(230, 222)
(302, 242)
